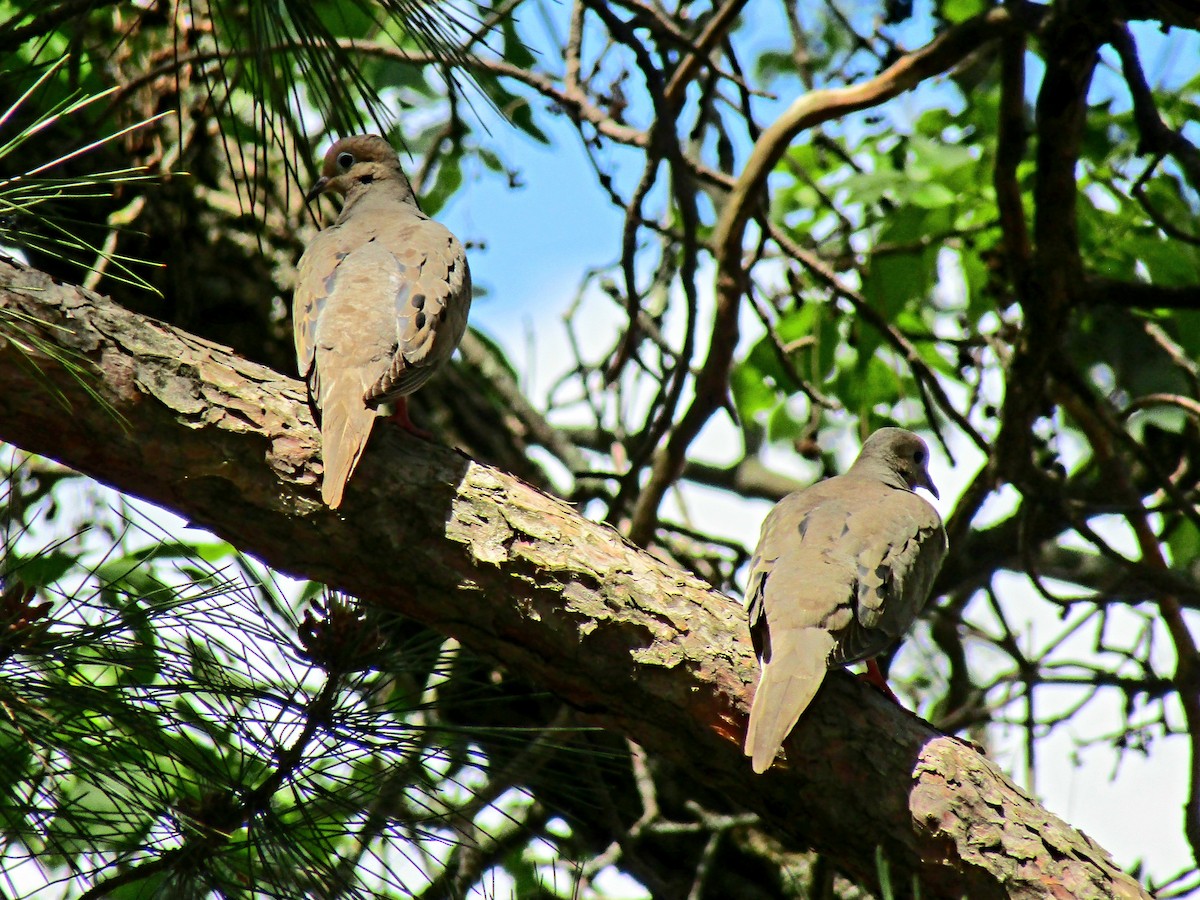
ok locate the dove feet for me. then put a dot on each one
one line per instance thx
(874, 677)
(400, 417)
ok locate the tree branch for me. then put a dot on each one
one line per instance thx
(1157, 137)
(1102, 291)
(1054, 280)
(632, 643)
(807, 111)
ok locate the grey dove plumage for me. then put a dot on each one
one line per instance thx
(841, 570)
(381, 302)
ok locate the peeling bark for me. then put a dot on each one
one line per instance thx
(636, 644)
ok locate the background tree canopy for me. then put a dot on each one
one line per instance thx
(767, 230)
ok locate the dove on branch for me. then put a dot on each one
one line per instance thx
(840, 572)
(381, 302)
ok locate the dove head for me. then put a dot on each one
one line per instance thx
(894, 452)
(355, 163)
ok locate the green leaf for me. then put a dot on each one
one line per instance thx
(42, 569)
(1184, 541)
(772, 64)
(155, 884)
(515, 51)
(782, 426)
(1185, 328)
(892, 281)
(939, 159)
(814, 359)
(449, 180)
(961, 10)
(752, 394)
(871, 187)
(873, 383)
(521, 114)
(932, 195)
(1168, 263)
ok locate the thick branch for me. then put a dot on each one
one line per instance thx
(1054, 280)
(633, 643)
(1011, 140)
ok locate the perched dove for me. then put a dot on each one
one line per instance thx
(840, 572)
(381, 302)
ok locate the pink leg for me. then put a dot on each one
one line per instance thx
(400, 417)
(875, 678)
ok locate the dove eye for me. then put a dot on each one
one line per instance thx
(345, 160)
(919, 457)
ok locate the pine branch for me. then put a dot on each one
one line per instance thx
(632, 643)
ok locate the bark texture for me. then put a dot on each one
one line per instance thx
(638, 645)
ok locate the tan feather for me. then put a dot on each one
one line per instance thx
(789, 683)
(840, 572)
(381, 301)
(345, 428)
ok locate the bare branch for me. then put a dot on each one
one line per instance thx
(728, 237)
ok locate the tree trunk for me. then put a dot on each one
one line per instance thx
(633, 643)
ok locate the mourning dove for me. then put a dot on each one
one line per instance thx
(841, 570)
(381, 301)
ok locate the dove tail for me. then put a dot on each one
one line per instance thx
(345, 426)
(789, 682)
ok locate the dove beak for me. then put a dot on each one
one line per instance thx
(317, 189)
(926, 482)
